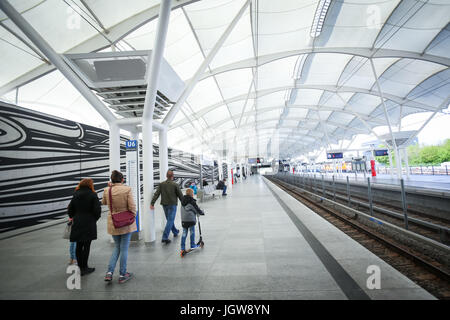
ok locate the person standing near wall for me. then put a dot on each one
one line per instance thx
(85, 210)
(169, 191)
(122, 200)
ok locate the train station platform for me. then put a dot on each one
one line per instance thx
(260, 243)
(414, 181)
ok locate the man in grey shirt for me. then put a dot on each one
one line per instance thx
(170, 193)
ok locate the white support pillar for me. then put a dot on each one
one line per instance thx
(148, 219)
(135, 136)
(114, 147)
(163, 155)
(147, 119)
(398, 157)
(397, 154)
(163, 167)
(390, 163)
(405, 156)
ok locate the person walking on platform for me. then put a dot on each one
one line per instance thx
(85, 210)
(189, 211)
(193, 186)
(122, 200)
(222, 186)
(169, 191)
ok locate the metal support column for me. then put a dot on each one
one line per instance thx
(399, 172)
(163, 155)
(390, 163)
(147, 118)
(405, 155)
(404, 206)
(348, 193)
(334, 189)
(114, 147)
(369, 195)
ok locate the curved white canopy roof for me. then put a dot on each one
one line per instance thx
(292, 73)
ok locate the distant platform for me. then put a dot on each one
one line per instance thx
(438, 182)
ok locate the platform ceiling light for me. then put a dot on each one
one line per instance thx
(319, 17)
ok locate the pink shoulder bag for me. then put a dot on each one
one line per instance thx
(120, 219)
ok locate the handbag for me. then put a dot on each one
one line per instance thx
(120, 219)
(67, 231)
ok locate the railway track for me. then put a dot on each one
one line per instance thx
(420, 268)
(418, 222)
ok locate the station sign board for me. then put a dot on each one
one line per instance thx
(381, 152)
(335, 155)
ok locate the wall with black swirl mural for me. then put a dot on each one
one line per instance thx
(42, 159)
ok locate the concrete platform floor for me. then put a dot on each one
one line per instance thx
(253, 250)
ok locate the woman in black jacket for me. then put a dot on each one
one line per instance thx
(85, 210)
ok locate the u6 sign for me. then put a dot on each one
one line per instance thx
(131, 144)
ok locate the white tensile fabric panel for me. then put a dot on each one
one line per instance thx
(238, 46)
(324, 115)
(273, 114)
(182, 51)
(406, 74)
(441, 44)
(290, 123)
(355, 23)
(211, 18)
(21, 6)
(216, 115)
(420, 22)
(297, 113)
(363, 103)
(326, 68)
(340, 117)
(63, 29)
(237, 107)
(226, 126)
(434, 90)
(332, 100)
(110, 12)
(359, 73)
(13, 70)
(205, 93)
(275, 99)
(234, 83)
(143, 38)
(268, 124)
(174, 135)
(284, 25)
(308, 96)
(276, 74)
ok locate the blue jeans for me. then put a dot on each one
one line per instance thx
(72, 249)
(184, 236)
(224, 190)
(170, 211)
(121, 249)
